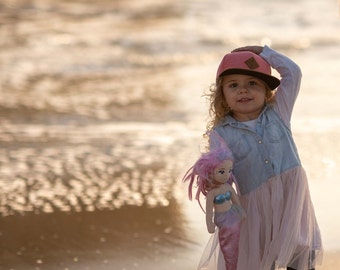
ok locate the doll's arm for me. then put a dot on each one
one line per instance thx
(209, 212)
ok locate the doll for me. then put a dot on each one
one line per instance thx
(212, 173)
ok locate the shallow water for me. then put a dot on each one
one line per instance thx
(101, 113)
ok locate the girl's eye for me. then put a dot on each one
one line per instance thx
(221, 171)
(233, 85)
(252, 83)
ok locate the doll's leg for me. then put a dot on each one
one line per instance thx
(229, 240)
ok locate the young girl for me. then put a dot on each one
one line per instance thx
(280, 229)
(211, 174)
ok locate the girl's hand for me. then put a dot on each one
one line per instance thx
(254, 49)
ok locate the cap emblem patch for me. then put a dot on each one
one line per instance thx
(251, 63)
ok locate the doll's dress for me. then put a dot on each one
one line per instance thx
(222, 248)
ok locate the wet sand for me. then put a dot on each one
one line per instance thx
(119, 239)
(77, 188)
(101, 114)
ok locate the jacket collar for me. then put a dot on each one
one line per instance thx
(228, 120)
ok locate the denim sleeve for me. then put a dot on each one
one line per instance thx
(288, 90)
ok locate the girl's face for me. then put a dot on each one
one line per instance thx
(222, 172)
(245, 95)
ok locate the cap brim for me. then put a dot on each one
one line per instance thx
(271, 81)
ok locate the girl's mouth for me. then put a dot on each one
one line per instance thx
(244, 99)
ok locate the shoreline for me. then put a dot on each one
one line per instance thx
(128, 238)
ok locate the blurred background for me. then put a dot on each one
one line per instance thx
(101, 114)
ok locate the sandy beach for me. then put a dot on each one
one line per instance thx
(101, 114)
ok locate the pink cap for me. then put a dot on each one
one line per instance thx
(247, 63)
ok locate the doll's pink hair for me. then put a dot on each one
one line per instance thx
(200, 172)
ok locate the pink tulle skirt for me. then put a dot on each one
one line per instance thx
(280, 229)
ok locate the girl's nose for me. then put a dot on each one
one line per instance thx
(243, 89)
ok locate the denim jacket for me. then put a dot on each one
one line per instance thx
(259, 155)
(269, 150)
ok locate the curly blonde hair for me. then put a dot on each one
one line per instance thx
(218, 107)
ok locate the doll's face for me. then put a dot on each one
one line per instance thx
(222, 172)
